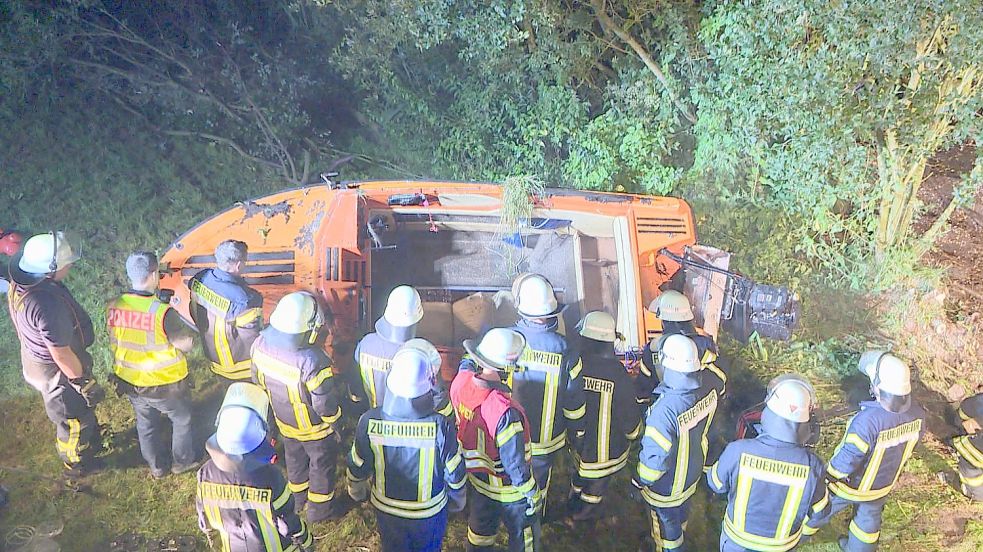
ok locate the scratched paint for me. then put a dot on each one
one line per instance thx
(305, 237)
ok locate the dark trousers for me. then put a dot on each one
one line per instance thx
(667, 526)
(76, 430)
(727, 545)
(411, 535)
(150, 414)
(484, 517)
(311, 475)
(586, 496)
(542, 470)
(865, 527)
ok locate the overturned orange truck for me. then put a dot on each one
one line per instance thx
(352, 243)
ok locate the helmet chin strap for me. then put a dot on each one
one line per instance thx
(53, 266)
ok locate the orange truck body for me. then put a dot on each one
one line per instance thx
(315, 238)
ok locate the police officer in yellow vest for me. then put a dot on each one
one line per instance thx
(148, 340)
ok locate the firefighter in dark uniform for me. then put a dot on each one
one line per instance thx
(613, 420)
(54, 332)
(227, 312)
(440, 392)
(298, 377)
(773, 483)
(148, 340)
(374, 353)
(547, 380)
(875, 447)
(241, 495)
(969, 448)
(676, 315)
(674, 445)
(494, 435)
(407, 457)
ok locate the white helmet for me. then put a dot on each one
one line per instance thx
(241, 422)
(534, 296)
(599, 326)
(499, 349)
(296, 313)
(410, 374)
(887, 372)
(791, 397)
(46, 253)
(672, 306)
(404, 307)
(427, 348)
(680, 353)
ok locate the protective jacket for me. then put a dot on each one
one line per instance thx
(877, 443)
(773, 488)
(494, 435)
(143, 355)
(675, 442)
(300, 382)
(612, 421)
(247, 502)
(46, 314)
(970, 450)
(648, 377)
(229, 316)
(413, 455)
(547, 379)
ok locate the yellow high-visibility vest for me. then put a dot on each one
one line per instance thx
(142, 354)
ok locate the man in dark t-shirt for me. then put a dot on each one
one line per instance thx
(54, 332)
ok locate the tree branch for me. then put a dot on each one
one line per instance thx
(600, 10)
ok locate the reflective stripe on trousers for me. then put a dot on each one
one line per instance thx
(483, 519)
(865, 527)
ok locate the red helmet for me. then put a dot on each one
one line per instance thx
(10, 242)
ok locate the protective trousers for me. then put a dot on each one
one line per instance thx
(667, 525)
(586, 496)
(411, 535)
(483, 519)
(150, 414)
(76, 428)
(311, 475)
(542, 470)
(727, 545)
(865, 527)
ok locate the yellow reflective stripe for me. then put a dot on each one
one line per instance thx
(527, 540)
(809, 531)
(648, 474)
(248, 317)
(427, 459)
(407, 509)
(636, 432)
(759, 543)
(837, 474)
(508, 433)
(590, 499)
(453, 462)
(379, 462)
(597, 470)
(322, 376)
(457, 485)
(962, 414)
(818, 506)
(843, 490)
(716, 479)
(741, 498)
(672, 544)
(495, 489)
(239, 371)
(281, 500)
(356, 459)
(855, 440)
(320, 498)
(267, 527)
(550, 393)
(528, 486)
(720, 373)
(869, 538)
(577, 369)
(298, 487)
(660, 439)
(971, 481)
(575, 414)
(964, 446)
(314, 433)
(214, 516)
(221, 342)
(644, 370)
(552, 445)
(447, 410)
(480, 540)
(662, 501)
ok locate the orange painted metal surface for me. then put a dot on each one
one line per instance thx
(314, 239)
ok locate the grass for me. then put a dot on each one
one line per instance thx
(124, 190)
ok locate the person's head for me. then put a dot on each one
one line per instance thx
(404, 308)
(231, 255)
(50, 254)
(680, 361)
(672, 306)
(598, 330)
(241, 424)
(534, 298)
(410, 374)
(497, 353)
(298, 313)
(890, 379)
(788, 409)
(429, 351)
(141, 269)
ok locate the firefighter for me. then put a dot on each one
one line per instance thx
(148, 340)
(241, 495)
(674, 445)
(375, 351)
(876, 445)
(494, 435)
(227, 312)
(773, 483)
(408, 458)
(298, 377)
(54, 332)
(969, 448)
(674, 311)
(613, 420)
(547, 380)
(441, 395)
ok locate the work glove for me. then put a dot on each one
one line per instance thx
(91, 391)
(635, 491)
(577, 441)
(456, 500)
(295, 539)
(359, 490)
(534, 504)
